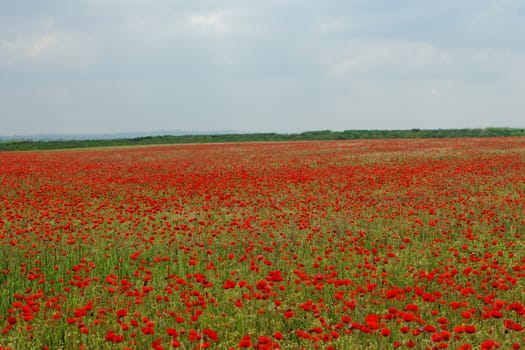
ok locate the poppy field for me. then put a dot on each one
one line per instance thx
(376, 244)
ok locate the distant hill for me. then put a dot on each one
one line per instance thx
(110, 136)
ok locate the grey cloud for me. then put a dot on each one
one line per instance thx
(115, 65)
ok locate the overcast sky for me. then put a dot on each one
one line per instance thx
(105, 66)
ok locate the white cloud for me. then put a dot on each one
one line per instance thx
(42, 45)
(390, 60)
(232, 21)
(331, 25)
(49, 45)
(386, 60)
(214, 21)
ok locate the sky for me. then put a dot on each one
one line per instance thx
(111, 66)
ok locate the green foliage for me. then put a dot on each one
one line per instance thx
(25, 145)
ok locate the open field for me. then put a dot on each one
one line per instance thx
(370, 244)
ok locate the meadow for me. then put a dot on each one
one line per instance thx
(360, 244)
